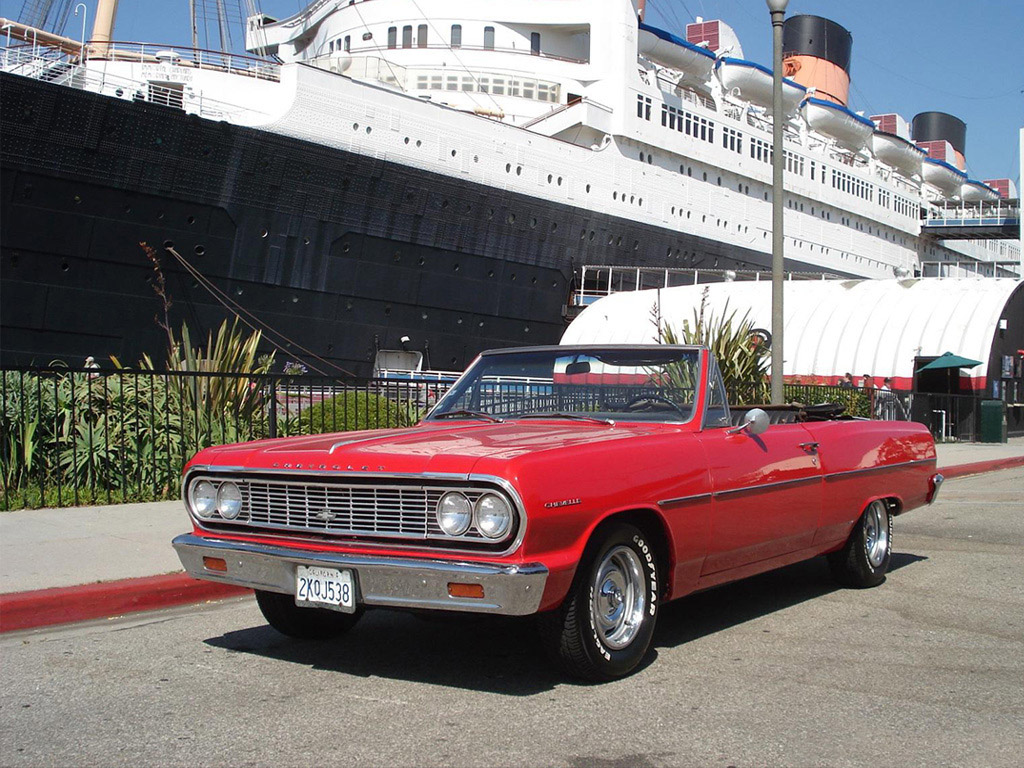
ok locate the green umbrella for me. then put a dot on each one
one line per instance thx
(949, 360)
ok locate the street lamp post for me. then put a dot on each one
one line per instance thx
(778, 12)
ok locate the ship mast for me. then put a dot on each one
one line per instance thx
(103, 27)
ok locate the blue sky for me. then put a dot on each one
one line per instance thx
(909, 56)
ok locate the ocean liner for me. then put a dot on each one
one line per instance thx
(433, 169)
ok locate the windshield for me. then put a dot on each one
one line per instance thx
(588, 385)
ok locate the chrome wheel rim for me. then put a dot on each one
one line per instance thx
(619, 597)
(876, 533)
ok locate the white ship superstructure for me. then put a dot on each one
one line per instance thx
(611, 141)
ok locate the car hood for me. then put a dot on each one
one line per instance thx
(430, 448)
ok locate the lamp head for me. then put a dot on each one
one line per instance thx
(777, 6)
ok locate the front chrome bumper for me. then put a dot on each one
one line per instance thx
(511, 590)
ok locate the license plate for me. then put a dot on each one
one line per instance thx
(325, 588)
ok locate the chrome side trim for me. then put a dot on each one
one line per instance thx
(509, 589)
(881, 468)
(680, 500)
(816, 478)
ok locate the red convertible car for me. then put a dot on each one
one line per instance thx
(587, 485)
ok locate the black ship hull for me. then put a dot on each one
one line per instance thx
(339, 252)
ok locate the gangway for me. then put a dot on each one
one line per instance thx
(987, 220)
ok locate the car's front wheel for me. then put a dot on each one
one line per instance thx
(604, 628)
(864, 559)
(286, 617)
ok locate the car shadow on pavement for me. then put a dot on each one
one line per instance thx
(719, 608)
(503, 655)
(481, 653)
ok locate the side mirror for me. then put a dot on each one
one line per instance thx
(754, 423)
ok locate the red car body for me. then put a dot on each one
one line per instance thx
(715, 504)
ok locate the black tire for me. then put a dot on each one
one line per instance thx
(286, 617)
(587, 636)
(864, 560)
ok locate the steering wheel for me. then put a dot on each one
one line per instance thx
(632, 404)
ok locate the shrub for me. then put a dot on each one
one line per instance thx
(351, 411)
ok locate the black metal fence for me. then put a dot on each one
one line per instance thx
(74, 436)
(80, 436)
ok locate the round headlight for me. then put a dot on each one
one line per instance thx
(454, 514)
(493, 516)
(229, 501)
(203, 498)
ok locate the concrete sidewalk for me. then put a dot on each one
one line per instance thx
(119, 545)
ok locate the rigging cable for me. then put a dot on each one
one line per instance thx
(255, 323)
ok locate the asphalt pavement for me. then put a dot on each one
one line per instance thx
(781, 669)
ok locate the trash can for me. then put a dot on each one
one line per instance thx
(993, 421)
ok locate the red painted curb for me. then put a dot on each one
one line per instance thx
(977, 467)
(62, 605)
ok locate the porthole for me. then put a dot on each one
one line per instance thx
(705, 175)
(64, 266)
(511, 218)
(264, 233)
(168, 243)
(454, 152)
(632, 199)
(513, 277)
(719, 181)
(305, 241)
(508, 167)
(490, 273)
(559, 181)
(554, 226)
(640, 202)
(369, 130)
(591, 236)
(615, 195)
(476, 158)
(419, 143)
(78, 199)
(456, 268)
(420, 261)
(519, 170)
(387, 310)
(295, 299)
(533, 281)
(423, 316)
(355, 126)
(550, 178)
(199, 250)
(533, 223)
(191, 220)
(406, 139)
(127, 209)
(588, 189)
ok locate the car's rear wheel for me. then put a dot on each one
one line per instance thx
(604, 628)
(286, 617)
(864, 559)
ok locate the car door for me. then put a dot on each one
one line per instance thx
(766, 494)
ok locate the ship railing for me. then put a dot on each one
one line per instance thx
(62, 69)
(599, 281)
(29, 55)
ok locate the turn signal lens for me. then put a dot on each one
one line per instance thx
(465, 590)
(454, 513)
(229, 501)
(493, 516)
(215, 564)
(203, 498)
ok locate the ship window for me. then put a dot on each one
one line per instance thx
(535, 43)
(489, 40)
(498, 86)
(332, 46)
(421, 36)
(407, 36)
(392, 37)
(452, 83)
(348, 43)
(456, 35)
(484, 84)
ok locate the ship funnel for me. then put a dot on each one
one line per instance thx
(932, 128)
(816, 54)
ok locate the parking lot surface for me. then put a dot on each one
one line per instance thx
(781, 669)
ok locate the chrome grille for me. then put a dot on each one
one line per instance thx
(345, 509)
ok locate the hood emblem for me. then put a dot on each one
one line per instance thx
(326, 515)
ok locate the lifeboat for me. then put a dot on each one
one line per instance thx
(753, 82)
(972, 191)
(673, 52)
(898, 152)
(848, 128)
(943, 176)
